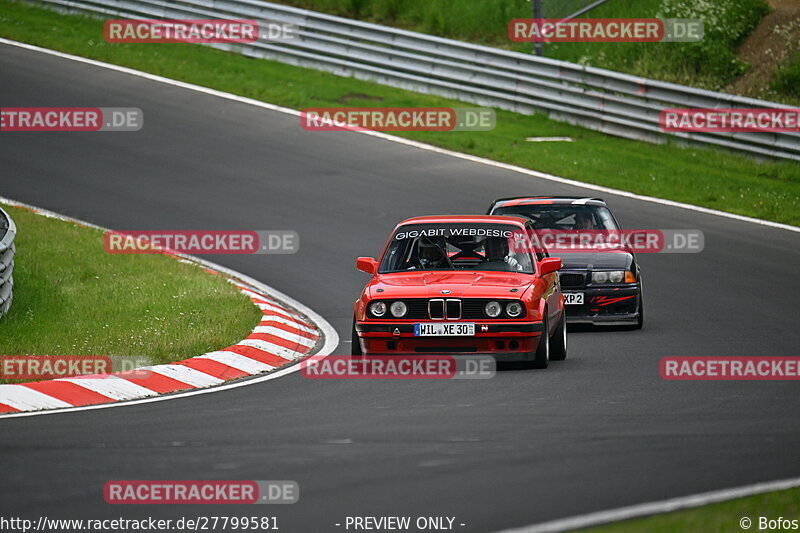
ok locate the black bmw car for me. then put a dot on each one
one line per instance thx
(602, 286)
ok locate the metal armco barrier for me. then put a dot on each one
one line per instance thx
(603, 100)
(8, 230)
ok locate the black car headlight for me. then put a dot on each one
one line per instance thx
(613, 276)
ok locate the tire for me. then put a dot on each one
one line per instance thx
(355, 346)
(558, 344)
(541, 357)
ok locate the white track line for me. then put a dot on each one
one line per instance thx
(415, 144)
(652, 508)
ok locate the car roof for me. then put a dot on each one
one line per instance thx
(559, 200)
(479, 219)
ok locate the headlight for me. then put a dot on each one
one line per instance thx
(493, 309)
(398, 309)
(611, 276)
(514, 309)
(616, 276)
(377, 309)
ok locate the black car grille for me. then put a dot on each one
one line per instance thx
(457, 308)
(573, 281)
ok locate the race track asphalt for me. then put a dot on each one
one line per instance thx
(597, 431)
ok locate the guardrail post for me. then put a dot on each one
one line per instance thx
(538, 47)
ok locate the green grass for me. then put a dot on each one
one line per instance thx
(73, 298)
(710, 64)
(716, 518)
(787, 79)
(710, 178)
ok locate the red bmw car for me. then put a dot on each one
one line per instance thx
(462, 285)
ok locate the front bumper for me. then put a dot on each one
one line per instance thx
(608, 306)
(505, 341)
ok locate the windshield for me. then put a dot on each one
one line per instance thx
(563, 217)
(496, 247)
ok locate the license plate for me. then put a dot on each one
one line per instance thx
(573, 298)
(439, 329)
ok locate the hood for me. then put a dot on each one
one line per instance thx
(608, 260)
(460, 284)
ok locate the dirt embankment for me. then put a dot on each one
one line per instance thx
(773, 40)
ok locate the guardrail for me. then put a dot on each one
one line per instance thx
(8, 230)
(603, 100)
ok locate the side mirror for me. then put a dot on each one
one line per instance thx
(367, 264)
(550, 265)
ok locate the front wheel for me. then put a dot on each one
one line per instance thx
(355, 346)
(541, 357)
(558, 345)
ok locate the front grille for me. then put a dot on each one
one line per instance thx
(463, 309)
(436, 309)
(573, 281)
(453, 309)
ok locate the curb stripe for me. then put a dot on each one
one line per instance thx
(7, 409)
(26, 399)
(213, 368)
(187, 375)
(294, 324)
(281, 316)
(278, 345)
(286, 329)
(292, 338)
(274, 349)
(257, 354)
(68, 392)
(155, 382)
(111, 386)
(245, 364)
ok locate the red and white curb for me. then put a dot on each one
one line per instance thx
(281, 337)
(288, 330)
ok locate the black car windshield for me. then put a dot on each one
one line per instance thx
(562, 216)
(458, 246)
